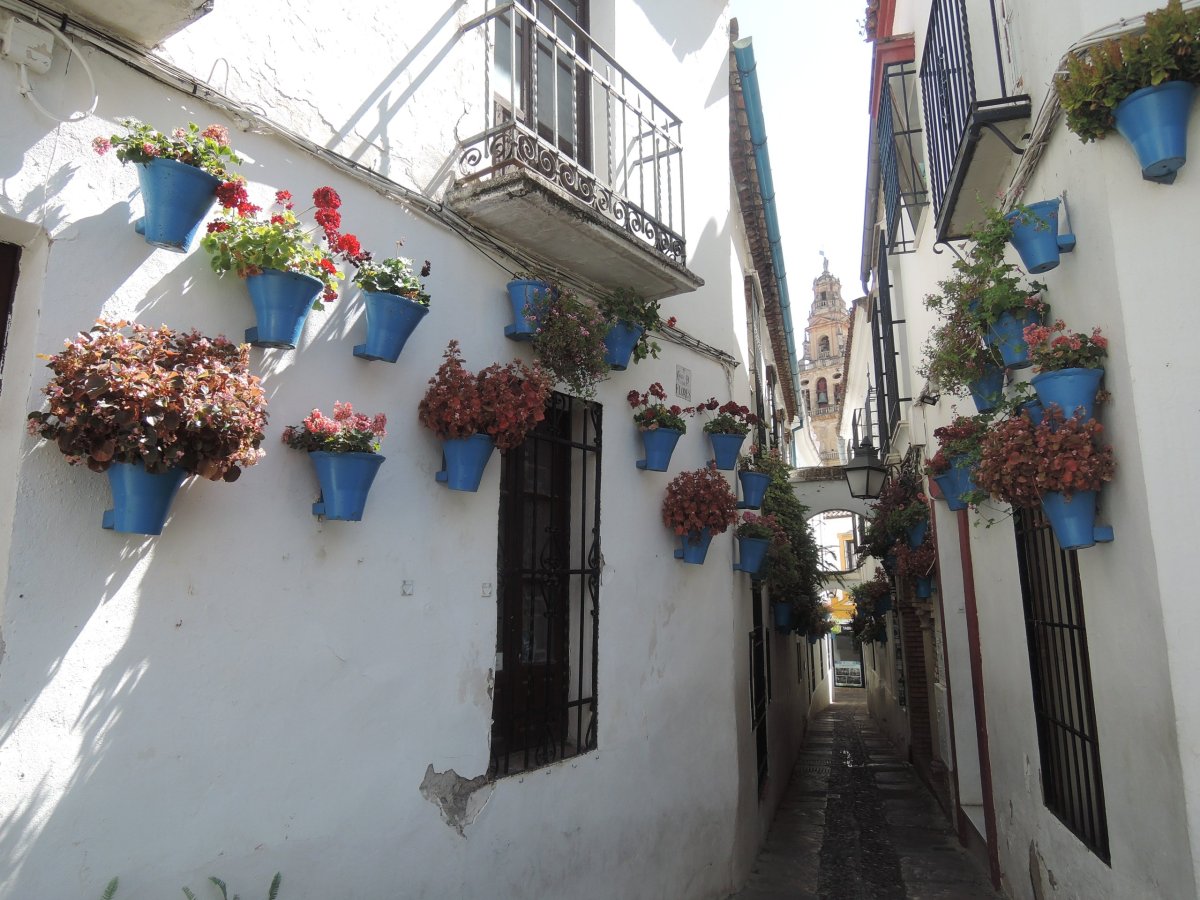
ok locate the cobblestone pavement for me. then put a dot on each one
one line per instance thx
(857, 824)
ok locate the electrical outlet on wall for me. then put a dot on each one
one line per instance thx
(24, 43)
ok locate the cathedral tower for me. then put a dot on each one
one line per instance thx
(821, 377)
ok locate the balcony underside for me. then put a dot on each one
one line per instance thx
(994, 133)
(550, 224)
(145, 22)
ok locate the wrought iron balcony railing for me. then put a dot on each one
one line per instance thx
(560, 106)
(947, 88)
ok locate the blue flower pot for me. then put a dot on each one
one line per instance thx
(751, 553)
(619, 343)
(176, 198)
(660, 444)
(924, 588)
(883, 605)
(726, 448)
(345, 479)
(1007, 334)
(889, 563)
(1072, 389)
(1074, 520)
(527, 296)
(1155, 121)
(1033, 409)
(391, 320)
(812, 639)
(141, 500)
(1035, 235)
(916, 534)
(281, 304)
(783, 614)
(694, 546)
(987, 390)
(955, 482)
(754, 488)
(463, 461)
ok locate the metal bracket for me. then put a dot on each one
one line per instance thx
(1002, 138)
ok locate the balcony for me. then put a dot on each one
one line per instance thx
(145, 22)
(576, 165)
(971, 142)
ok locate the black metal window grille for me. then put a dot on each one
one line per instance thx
(901, 156)
(10, 259)
(544, 699)
(759, 687)
(886, 357)
(1072, 787)
(947, 90)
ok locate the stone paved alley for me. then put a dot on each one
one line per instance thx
(857, 824)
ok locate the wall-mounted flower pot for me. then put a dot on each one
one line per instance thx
(694, 546)
(1033, 409)
(141, 500)
(345, 480)
(754, 488)
(783, 614)
(988, 390)
(1036, 238)
(391, 320)
(281, 304)
(1074, 520)
(463, 461)
(726, 448)
(812, 639)
(176, 198)
(1071, 389)
(659, 444)
(916, 534)
(883, 605)
(1155, 121)
(956, 482)
(619, 343)
(924, 588)
(1007, 334)
(889, 563)
(751, 553)
(526, 296)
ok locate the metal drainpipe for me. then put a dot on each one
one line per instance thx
(743, 52)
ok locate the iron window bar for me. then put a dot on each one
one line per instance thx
(900, 156)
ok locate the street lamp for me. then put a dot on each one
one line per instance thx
(864, 473)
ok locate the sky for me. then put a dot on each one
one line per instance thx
(814, 71)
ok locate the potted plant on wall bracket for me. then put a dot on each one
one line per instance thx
(755, 534)
(1069, 366)
(631, 318)
(1035, 235)
(179, 175)
(396, 302)
(957, 358)
(698, 505)
(1140, 85)
(916, 564)
(345, 453)
(528, 295)
(568, 341)
(727, 429)
(475, 413)
(660, 425)
(754, 475)
(150, 407)
(286, 272)
(957, 456)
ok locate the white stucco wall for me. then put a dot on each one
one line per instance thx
(250, 692)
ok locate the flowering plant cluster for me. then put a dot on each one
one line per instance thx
(569, 342)
(650, 415)
(627, 305)
(1021, 461)
(955, 354)
(915, 563)
(393, 275)
(163, 399)
(868, 628)
(757, 461)
(961, 438)
(208, 149)
(505, 402)
(346, 432)
(241, 241)
(1052, 347)
(765, 528)
(730, 418)
(698, 500)
(901, 504)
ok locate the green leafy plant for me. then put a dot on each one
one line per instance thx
(393, 275)
(959, 440)
(793, 569)
(651, 411)
(569, 343)
(163, 399)
(1100, 76)
(627, 305)
(900, 505)
(272, 891)
(346, 432)
(697, 500)
(765, 528)
(955, 355)
(208, 150)
(504, 401)
(110, 890)
(754, 461)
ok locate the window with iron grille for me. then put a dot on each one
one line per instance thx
(901, 155)
(10, 258)
(886, 357)
(1072, 787)
(544, 699)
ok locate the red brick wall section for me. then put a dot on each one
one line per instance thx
(920, 735)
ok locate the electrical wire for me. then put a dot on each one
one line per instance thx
(25, 89)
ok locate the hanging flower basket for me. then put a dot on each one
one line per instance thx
(751, 553)
(726, 448)
(281, 304)
(754, 488)
(694, 546)
(526, 295)
(176, 197)
(1035, 235)
(464, 461)
(659, 445)
(1007, 334)
(1155, 122)
(924, 588)
(141, 500)
(391, 320)
(988, 390)
(622, 337)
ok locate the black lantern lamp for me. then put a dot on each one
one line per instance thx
(865, 474)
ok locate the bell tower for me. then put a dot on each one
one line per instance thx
(821, 385)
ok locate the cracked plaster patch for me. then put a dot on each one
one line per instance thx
(460, 800)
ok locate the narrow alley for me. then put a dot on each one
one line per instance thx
(857, 824)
